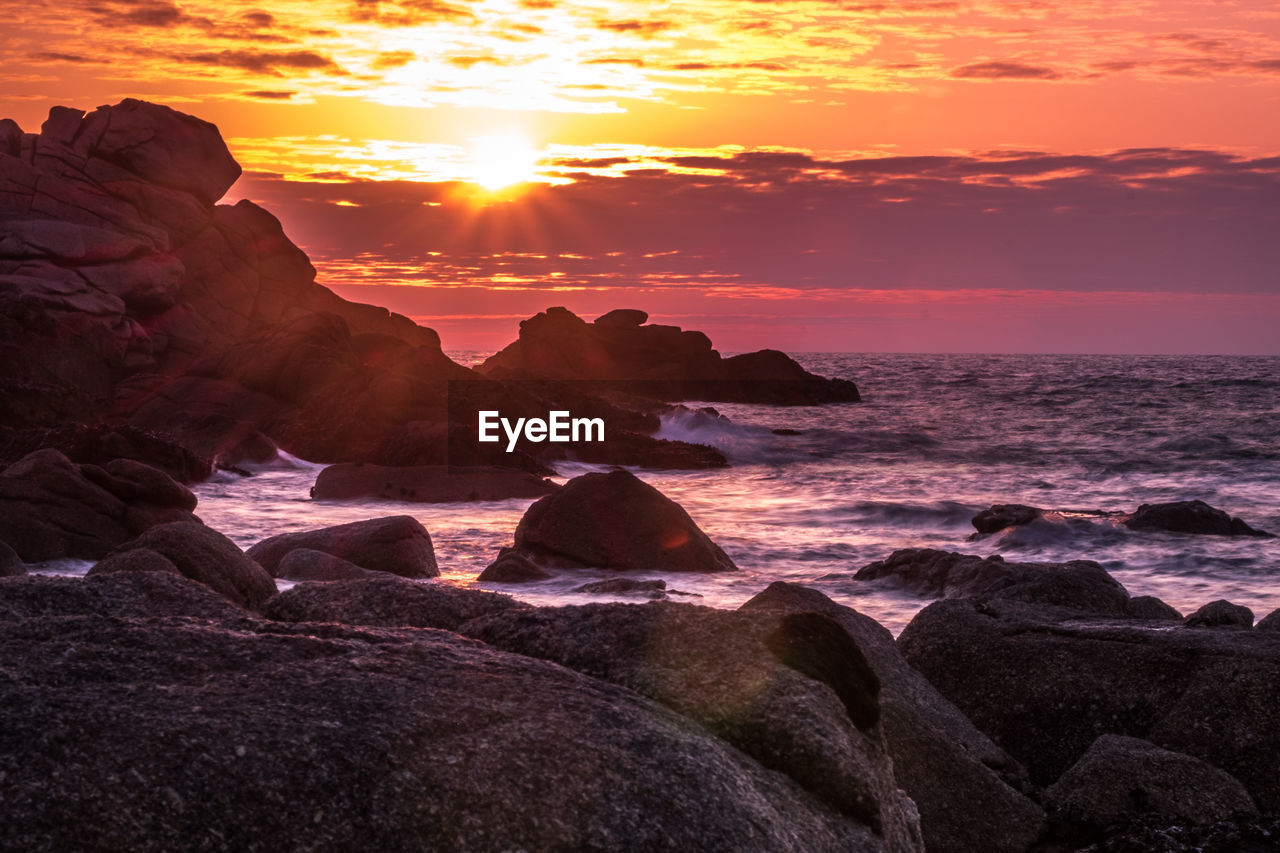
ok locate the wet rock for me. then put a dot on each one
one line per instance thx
(970, 793)
(1122, 777)
(396, 544)
(790, 690)
(123, 595)
(1000, 516)
(1221, 614)
(306, 564)
(201, 554)
(1189, 517)
(623, 586)
(98, 444)
(11, 564)
(387, 601)
(615, 521)
(134, 560)
(427, 483)
(1078, 584)
(51, 507)
(165, 734)
(619, 354)
(511, 567)
(1150, 607)
(1206, 692)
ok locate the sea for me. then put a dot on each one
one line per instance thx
(936, 439)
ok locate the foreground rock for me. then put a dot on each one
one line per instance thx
(1121, 778)
(790, 690)
(1078, 584)
(388, 602)
(196, 552)
(618, 353)
(163, 734)
(11, 564)
(121, 595)
(1221, 614)
(608, 521)
(50, 507)
(397, 545)
(970, 792)
(427, 483)
(1209, 693)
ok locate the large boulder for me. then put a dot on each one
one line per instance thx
(11, 564)
(1189, 517)
(163, 734)
(1077, 584)
(306, 564)
(1206, 692)
(396, 544)
(427, 483)
(611, 521)
(51, 507)
(120, 595)
(1120, 778)
(620, 354)
(1221, 614)
(196, 552)
(790, 690)
(970, 793)
(388, 601)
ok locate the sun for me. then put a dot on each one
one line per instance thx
(502, 160)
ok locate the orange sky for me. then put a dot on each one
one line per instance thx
(991, 175)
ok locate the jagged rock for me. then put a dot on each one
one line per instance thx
(1189, 517)
(306, 564)
(1206, 692)
(1078, 584)
(1000, 516)
(122, 595)
(666, 362)
(51, 507)
(790, 690)
(614, 521)
(970, 793)
(11, 564)
(427, 483)
(396, 544)
(1221, 614)
(201, 554)
(163, 734)
(387, 601)
(1122, 777)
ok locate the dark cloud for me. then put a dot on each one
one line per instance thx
(1005, 70)
(262, 63)
(258, 18)
(400, 13)
(642, 28)
(144, 13)
(269, 95)
(49, 56)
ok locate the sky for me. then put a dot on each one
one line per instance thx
(920, 176)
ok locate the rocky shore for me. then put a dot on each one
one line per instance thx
(175, 699)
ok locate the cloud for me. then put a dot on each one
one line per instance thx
(269, 95)
(262, 63)
(1005, 70)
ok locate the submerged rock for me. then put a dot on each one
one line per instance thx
(427, 483)
(611, 521)
(1119, 778)
(163, 734)
(386, 601)
(1189, 517)
(198, 553)
(1206, 692)
(50, 507)
(396, 544)
(970, 793)
(1000, 516)
(619, 353)
(624, 586)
